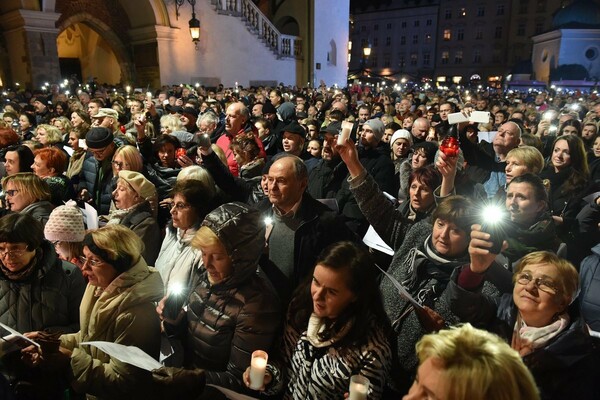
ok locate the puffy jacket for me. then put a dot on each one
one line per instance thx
(124, 313)
(39, 210)
(48, 299)
(87, 180)
(227, 321)
(589, 275)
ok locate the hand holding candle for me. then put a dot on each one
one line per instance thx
(359, 387)
(258, 366)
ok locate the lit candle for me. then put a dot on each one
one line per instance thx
(258, 367)
(359, 387)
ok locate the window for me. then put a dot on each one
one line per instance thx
(375, 42)
(402, 61)
(416, 24)
(429, 22)
(445, 57)
(426, 58)
(413, 59)
(415, 39)
(521, 29)
(388, 41)
(479, 34)
(541, 6)
(373, 60)
(376, 27)
(448, 13)
(462, 12)
(447, 34)
(481, 11)
(539, 28)
(458, 56)
(523, 7)
(460, 34)
(428, 38)
(476, 56)
(591, 53)
(500, 9)
(404, 24)
(402, 40)
(498, 32)
(389, 26)
(386, 61)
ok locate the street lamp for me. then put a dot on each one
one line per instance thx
(194, 23)
(366, 54)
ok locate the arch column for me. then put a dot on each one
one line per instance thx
(31, 41)
(153, 47)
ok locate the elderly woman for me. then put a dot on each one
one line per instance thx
(233, 309)
(336, 327)
(136, 205)
(42, 292)
(540, 318)
(48, 135)
(192, 200)
(520, 160)
(50, 164)
(425, 255)
(118, 307)
(27, 193)
(465, 363)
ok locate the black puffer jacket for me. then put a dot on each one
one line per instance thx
(227, 321)
(87, 180)
(47, 299)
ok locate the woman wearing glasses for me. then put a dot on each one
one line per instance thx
(27, 193)
(540, 319)
(37, 290)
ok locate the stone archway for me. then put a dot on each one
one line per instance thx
(288, 26)
(122, 55)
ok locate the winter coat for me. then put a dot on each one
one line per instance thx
(407, 240)
(39, 210)
(326, 178)
(566, 367)
(177, 257)
(142, 222)
(229, 320)
(124, 313)
(101, 194)
(47, 299)
(61, 189)
(589, 282)
(311, 372)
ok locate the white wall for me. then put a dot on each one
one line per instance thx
(227, 51)
(331, 23)
(575, 42)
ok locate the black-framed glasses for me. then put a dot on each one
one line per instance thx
(94, 263)
(543, 284)
(11, 192)
(180, 206)
(12, 253)
(98, 152)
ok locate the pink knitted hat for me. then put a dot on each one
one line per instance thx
(65, 224)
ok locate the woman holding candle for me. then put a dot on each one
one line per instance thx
(335, 328)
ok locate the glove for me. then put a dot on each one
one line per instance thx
(178, 383)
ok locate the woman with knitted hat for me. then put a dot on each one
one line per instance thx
(65, 230)
(136, 207)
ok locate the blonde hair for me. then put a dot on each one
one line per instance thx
(117, 241)
(568, 277)
(198, 173)
(172, 123)
(478, 365)
(66, 123)
(29, 184)
(530, 156)
(53, 134)
(205, 237)
(131, 156)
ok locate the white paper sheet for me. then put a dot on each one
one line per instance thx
(373, 240)
(401, 289)
(127, 354)
(91, 216)
(13, 341)
(231, 395)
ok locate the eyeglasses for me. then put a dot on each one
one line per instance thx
(98, 152)
(180, 206)
(543, 284)
(94, 263)
(12, 253)
(119, 164)
(12, 192)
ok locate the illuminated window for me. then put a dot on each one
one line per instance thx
(447, 34)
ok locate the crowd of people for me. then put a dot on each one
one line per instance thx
(231, 220)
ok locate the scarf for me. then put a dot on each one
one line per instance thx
(317, 325)
(528, 338)
(25, 273)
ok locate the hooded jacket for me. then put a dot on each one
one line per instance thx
(227, 321)
(124, 313)
(48, 299)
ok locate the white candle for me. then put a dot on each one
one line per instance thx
(359, 387)
(258, 366)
